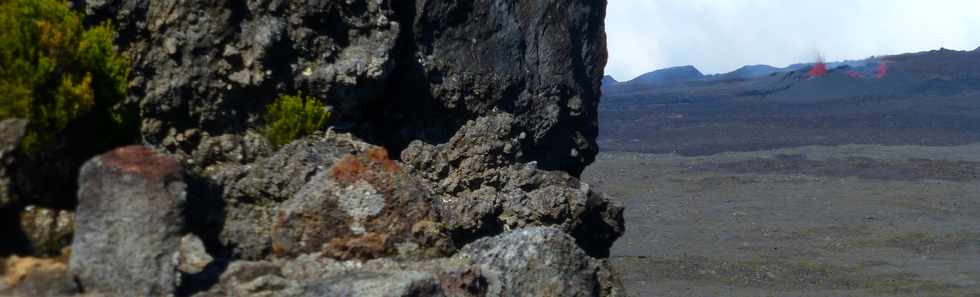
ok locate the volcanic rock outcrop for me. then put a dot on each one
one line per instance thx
(450, 166)
(393, 71)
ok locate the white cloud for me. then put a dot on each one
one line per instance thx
(722, 35)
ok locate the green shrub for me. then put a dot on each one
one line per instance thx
(60, 75)
(292, 117)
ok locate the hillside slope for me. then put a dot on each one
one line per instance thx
(928, 98)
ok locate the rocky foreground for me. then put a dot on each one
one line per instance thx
(451, 169)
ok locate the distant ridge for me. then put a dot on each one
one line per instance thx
(750, 72)
(689, 73)
(608, 80)
(669, 75)
(753, 71)
(924, 98)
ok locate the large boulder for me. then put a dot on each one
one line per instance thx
(540, 261)
(328, 193)
(484, 193)
(363, 207)
(249, 195)
(129, 223)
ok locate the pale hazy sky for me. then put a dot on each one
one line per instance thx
(722, 35)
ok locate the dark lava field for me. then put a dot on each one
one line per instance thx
(785, 184)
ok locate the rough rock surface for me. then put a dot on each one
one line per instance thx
(487, 106)
(483, 192)
(128, 223)
(250, 195)
(299, 192)
(397, 284)
(539, 261)
(331, 193)
(205, 68)
(541, 61)
(243, 278)
(363, 207)
(410, 69)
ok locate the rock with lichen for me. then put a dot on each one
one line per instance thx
(327, 193)
(250, 195)
(363, 207)
(128, 223)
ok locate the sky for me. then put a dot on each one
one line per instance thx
(718, 36)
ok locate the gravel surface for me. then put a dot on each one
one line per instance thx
(855, 220)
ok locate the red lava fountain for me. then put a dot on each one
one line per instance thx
(882, 70)
(819, 69)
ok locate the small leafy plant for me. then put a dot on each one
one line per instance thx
(59, 75)
(293, 116)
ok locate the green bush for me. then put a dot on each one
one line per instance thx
(59, 75)
(292, 117)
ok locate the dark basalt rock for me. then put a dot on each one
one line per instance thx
(207, 68)
(393, 71)
(483, 193)
(541, 61)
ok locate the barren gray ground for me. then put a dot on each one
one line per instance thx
(855, 220)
